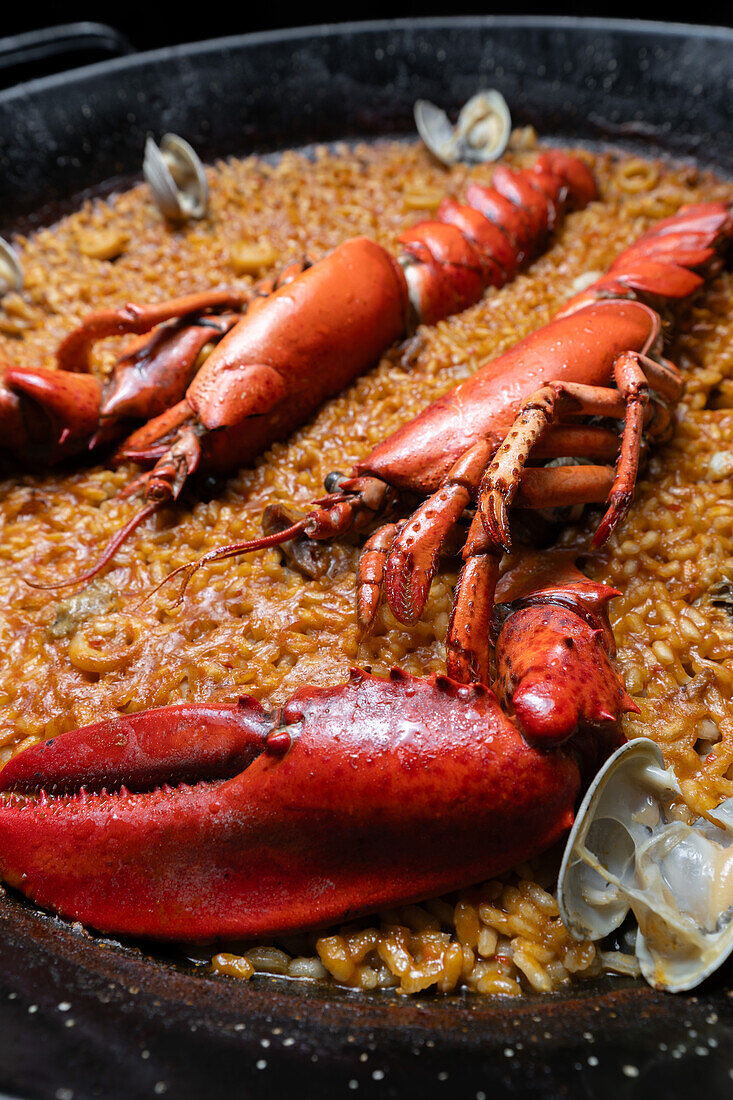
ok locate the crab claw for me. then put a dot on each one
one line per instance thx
(347, 799)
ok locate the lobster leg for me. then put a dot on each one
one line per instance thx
(153, 373)
(633, 373)
(413, 558)
(468, 650)
(74, 353)
(468, 655)
(370, 576)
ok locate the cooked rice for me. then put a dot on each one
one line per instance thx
(253, 625)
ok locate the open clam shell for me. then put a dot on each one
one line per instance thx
(630, 849)
(177, 178)
(11, 273)
(480, 134)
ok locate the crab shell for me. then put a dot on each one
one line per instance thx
(629, 850)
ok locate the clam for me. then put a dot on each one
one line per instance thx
(633, 848)
(721, 595)
(480, 134)
(177, 178)
(11, 273)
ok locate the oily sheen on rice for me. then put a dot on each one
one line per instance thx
(254, 625)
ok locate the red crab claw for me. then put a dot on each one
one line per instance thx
(347, 799)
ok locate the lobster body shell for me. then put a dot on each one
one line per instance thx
(299, 346)
(580, 347)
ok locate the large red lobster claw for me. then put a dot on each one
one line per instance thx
(200, 822)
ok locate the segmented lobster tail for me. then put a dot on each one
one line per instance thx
(669, 262)
(451, 260)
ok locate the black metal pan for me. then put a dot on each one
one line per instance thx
(82, 1017)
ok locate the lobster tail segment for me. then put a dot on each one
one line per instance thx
(574, 173)
(449, 261)
(669, 262)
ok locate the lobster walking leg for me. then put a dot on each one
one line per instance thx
(629, 401)
(74, 352)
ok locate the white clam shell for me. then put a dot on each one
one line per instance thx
(628, 850)
(177, 178)
(480, 134)
(11, 273)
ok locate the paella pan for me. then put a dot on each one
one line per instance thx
(689, 179)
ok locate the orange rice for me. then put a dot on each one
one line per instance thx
(255, 626)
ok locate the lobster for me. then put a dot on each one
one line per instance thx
(205, 821)
(481, 445)
(275, 354)
(215, 821)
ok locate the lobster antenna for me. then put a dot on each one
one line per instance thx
(232, 550)
(109, 551)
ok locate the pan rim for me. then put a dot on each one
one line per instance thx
(674, 31)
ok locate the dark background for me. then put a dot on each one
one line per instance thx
(140, 25)
(149, 25)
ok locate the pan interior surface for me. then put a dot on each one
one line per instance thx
(660, 91)
(652, 88)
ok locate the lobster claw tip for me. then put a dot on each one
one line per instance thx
(139, 752)
(542, 715)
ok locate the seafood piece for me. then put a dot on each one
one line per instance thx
(481, 133)
(482, 444)
(177, 178)
(631, 848)
(203, 821)
(301, 339)
(11, 273)
(48, 415)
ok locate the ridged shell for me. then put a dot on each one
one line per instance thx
(177, 178)
(631, 849)
(480, 134)
(11, 273)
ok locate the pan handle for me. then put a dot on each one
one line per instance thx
(54, 49)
